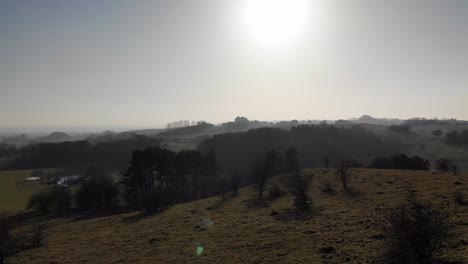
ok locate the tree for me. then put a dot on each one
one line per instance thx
(260, 173)
(415, 231)
(157, 178)
(444, 164)
(235, 181)
(326, 162)
(265, 167)
(344, 173)
(299, 185)
(437, 133)
(221, 186)
(292, 160)
(96, 192)
(454, 169)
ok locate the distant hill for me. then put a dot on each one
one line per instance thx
(367, 119)
(186, 131)
(54, 137)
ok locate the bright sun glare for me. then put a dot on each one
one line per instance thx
(276, 22)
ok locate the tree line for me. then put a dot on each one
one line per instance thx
(77, 155)
(157, 178)
(457, 138)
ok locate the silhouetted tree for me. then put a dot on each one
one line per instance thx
(265, 167)
(158, 178)
(291, 160)
(221, 187)
(299, 185)
(344, 173)
(235, 182)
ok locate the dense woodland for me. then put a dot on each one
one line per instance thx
(236, 151)
(77, 155)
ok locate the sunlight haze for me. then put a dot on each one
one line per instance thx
(146, 63)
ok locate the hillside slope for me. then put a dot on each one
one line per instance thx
(243, 233)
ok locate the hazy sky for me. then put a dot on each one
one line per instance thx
(144, 63)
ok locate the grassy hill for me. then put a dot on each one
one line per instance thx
(15, 190)
(243, 232)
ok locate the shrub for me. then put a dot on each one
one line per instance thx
(275, 192)
(327, 187)
(57, 199)
(41, 201)
(299, 185)
(437, 133)
(38, 235)
(415, 231)
(444, 164)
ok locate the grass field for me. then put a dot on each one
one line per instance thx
(15, 191)
(243, 233)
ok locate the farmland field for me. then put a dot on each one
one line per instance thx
(15, 190)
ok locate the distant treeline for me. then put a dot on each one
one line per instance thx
(400, 162)
(233, 151)
(402, 129)
(78, 155)
(176, 130)
(237, 151)
(457, 138)
(435, 121)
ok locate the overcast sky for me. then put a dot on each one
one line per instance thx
(145, 63)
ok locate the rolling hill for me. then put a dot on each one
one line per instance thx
(341, 229)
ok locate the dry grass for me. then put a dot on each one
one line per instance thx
(249, 234)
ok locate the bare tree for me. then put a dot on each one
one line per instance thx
(344, 173)
(234, 182)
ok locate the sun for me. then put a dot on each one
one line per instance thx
(276, 22)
